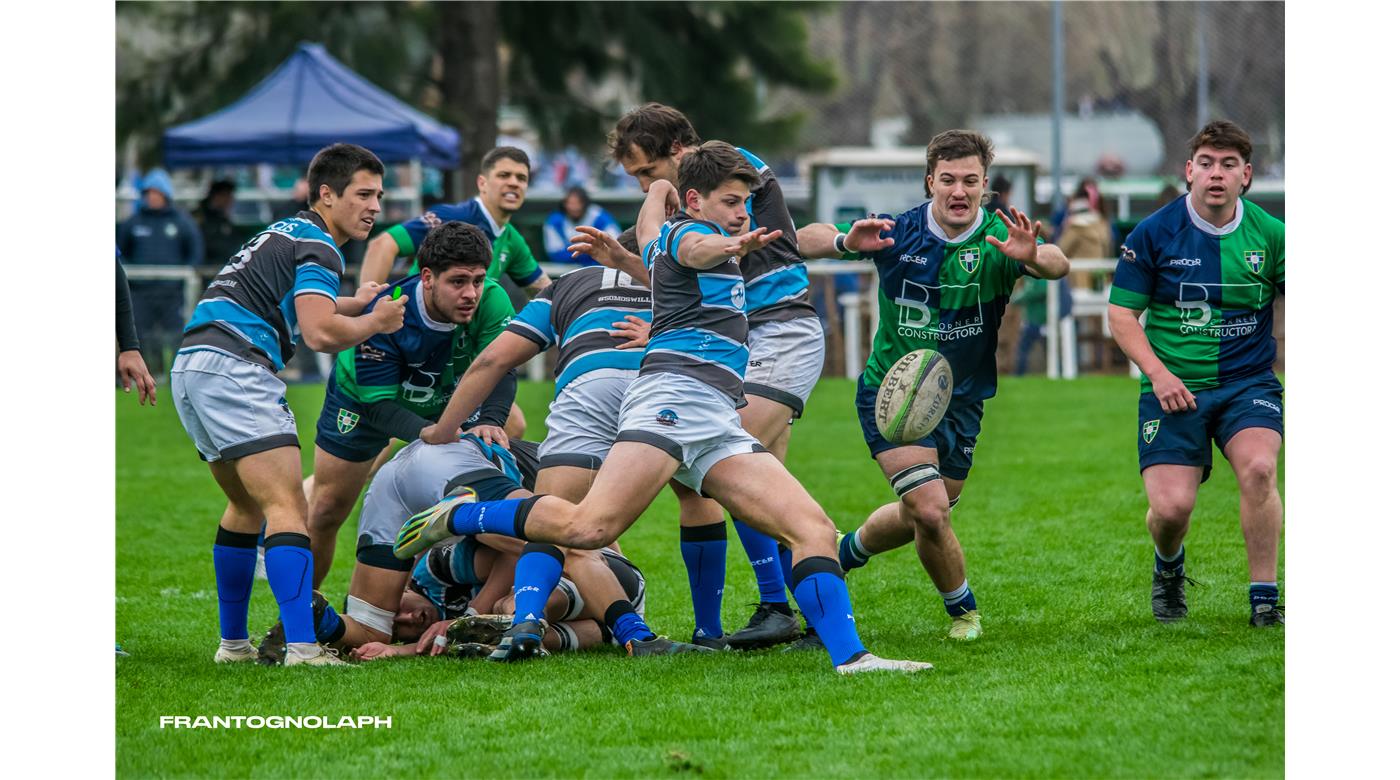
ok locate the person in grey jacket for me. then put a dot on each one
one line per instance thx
(159, 233)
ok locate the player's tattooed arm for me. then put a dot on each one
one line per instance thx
(1043, 260)
(1171, 392)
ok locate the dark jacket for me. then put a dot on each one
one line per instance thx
(165, 236)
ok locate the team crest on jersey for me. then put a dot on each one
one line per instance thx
(346, 420)
(1149, 430)
(969, 258)
(1255, 258)
(667, 418)
(1127, 254)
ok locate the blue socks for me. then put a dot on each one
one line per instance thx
(850, 551)
(762, 550)
(703, 547)
(536, 574)
(1174, 566)
(505, 517)
(626, 625)
(330, 628)
(959, 601)
(826, 604)
(1262, 593)
(288, 562)
(235, 558)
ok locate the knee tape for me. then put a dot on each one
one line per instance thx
(913, 477)
(369, 616)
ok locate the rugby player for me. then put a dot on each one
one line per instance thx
(475, 572)
(394, 385)
(947, 269)
(679, 417)
(282, 283)
(1206, 269)
(786, 353)
(502, 184)
(578, 314)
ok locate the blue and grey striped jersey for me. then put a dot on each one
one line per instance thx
(698, 326)
(249, 309)
(776, 276)
(576, 313)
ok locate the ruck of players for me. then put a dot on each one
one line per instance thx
(684, 363)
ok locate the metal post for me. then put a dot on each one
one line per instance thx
(1052, 304)
(1202, 67)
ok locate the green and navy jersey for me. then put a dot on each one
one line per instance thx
(418, 365)
(945, 293)
(249, 309)
(775, 276)
(1208, 291)
(509, 252)
(576, 314)
(698, 327)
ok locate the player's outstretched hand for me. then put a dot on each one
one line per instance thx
(635, 330)
(1172, 393)
(490, 434)
(131, 369)
(1020, 236)
(437, 433)
(367, 292)
(600, 246)
(864, 236)
(372, 650)
(745, 243)
(388, 314)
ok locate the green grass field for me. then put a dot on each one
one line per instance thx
(1073, 678)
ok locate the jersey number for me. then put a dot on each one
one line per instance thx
(245, 254)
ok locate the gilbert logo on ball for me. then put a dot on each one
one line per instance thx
(914, 396)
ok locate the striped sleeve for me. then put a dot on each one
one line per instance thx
(1134, 278)
(318, 269)
(535, 321)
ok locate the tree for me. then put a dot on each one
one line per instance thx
(179, 61)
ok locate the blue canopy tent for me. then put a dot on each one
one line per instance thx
(310, 101)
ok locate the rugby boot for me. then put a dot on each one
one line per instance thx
(430, 526)
(966, 627)
(470, 650)
(480, 629)
(873, 663)
(766, 628)
(1266, 615)
(1169, 596)
(660, 645)
(273, 647)
(521, 641)
(226, 656)
(712, 642)
(324, 656)
(809, 641)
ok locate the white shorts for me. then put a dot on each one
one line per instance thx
(583, 419)
(230, 407)
(688, 420)
(785, 361)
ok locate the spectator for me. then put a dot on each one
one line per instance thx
(1168, 194)
(159, 234)
(575, 210)
(215, 218)
(1086, 232)
(1001, 195)
(1031, 297)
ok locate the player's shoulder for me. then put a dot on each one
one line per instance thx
(1161, 225)
(300, 228)
(1258, 219)
(758, 164)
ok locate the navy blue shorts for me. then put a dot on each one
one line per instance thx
(955, 437)
(1184, 438)
(341, 431)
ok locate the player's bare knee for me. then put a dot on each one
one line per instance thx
(1258, 477)
(930, 516)
(1172, 512)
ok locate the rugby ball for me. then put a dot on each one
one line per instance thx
(913, 396)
